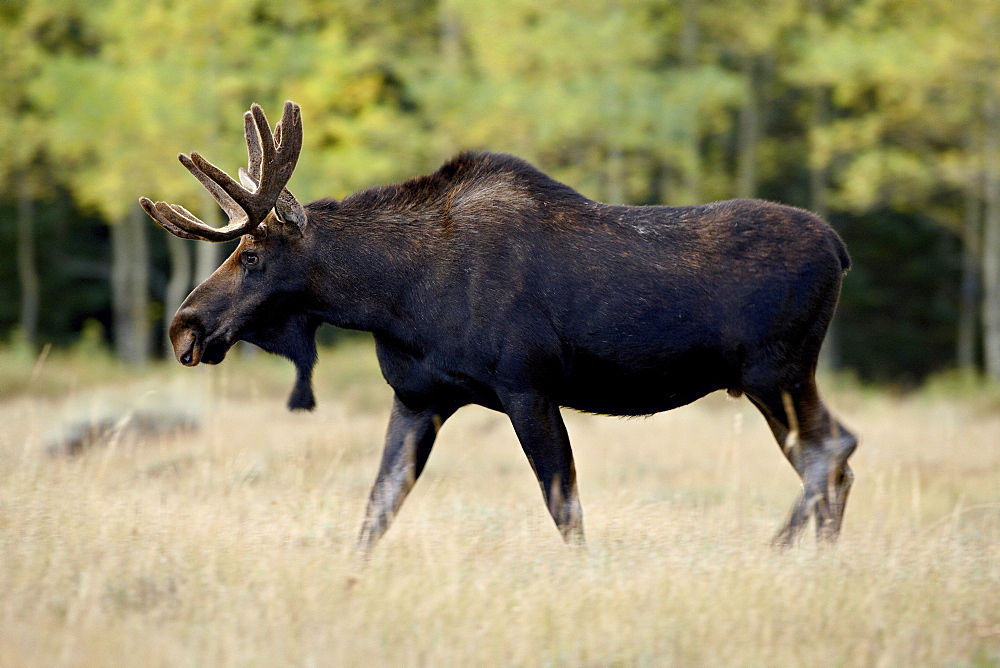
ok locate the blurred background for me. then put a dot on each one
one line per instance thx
(883, 116)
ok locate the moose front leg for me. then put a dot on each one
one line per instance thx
(408, 443)
(540, 428)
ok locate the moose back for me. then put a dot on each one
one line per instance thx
(488, 282)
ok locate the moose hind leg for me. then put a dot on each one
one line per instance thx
(817, 446)
(838, 447)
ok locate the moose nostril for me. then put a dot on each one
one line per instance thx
(185, 343)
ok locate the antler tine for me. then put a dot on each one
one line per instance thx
(271, 162)
(252, 207)
(150, 208)
(233, 210)
(267, 144)
(254, 154)
(174, 218)
(289, 131)
(182, 223)
(277, 164)
(280, 151)
(288, 140)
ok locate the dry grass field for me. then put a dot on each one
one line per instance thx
(230, 545)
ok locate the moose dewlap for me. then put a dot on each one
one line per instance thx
(489, 283)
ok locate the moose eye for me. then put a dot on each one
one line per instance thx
(250, 259)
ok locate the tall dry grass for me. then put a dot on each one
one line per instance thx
(231, 545)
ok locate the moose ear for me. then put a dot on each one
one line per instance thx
(289, 210)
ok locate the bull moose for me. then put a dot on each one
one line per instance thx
(488, 282)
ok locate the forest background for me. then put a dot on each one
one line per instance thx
(883, 116)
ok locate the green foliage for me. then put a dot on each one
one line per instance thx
(634, 101)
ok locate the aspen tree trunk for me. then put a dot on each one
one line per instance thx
(991, 240)
(206, 258)
(27, 266)
(130, 288)
(971, 288)
(179, 283)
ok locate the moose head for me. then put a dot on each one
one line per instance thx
(254, 295)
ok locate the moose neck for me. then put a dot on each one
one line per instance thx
(370, 262)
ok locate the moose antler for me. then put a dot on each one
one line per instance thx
(272, 159)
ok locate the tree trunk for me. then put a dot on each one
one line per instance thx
(748, 133)
(27, 266)
(971, 290)
(991, 239)
(179, 283)
(206, 258)
(130, 288)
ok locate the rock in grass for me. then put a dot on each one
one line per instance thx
(122, 427)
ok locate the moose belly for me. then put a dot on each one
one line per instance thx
(610, 387)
